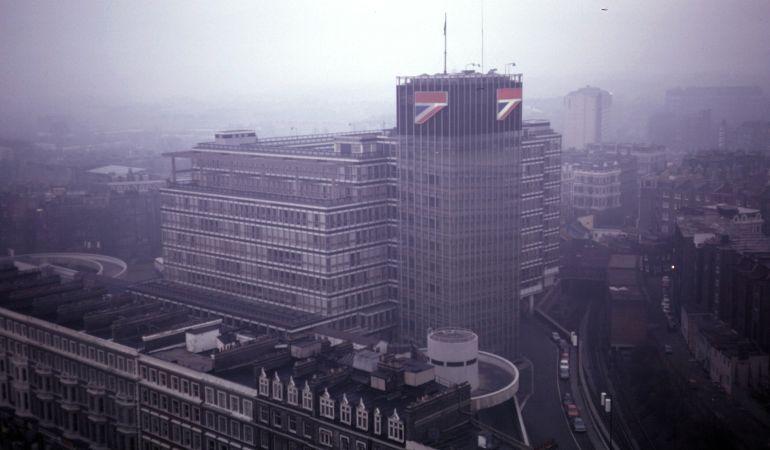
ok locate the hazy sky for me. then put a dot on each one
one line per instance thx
(157, 49)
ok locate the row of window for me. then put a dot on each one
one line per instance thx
(274, 389)
(95, 354)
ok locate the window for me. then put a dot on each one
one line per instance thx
(222, 424)
(264, 414)
(327, 405)
(209, 395)
(362, 416)
(174, 382)
(395, 427)
(264, 384)
(360, 445)
(222, 399)
(307, 429)
(248, 434)
(210, 420)
(248, 409)
(264, 439)
(345, 410)
(325, 437)
(162, 378)
(292, 393)
(292, 423)
(235, 429)
(234, 404)
(377, 421)
(344, 443)
(277, 419)
(277, 388)
(307, 397)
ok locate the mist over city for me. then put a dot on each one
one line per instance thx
(385, 225)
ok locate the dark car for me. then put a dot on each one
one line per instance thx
(567, 399)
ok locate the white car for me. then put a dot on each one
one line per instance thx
(555, 336)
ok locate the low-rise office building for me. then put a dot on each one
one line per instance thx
(87, 370)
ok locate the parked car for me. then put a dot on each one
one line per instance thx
(572, 411)
(566, 399)
(564, 373)
(555, 336)
(668, 349)
(579, 425)
(564, 364)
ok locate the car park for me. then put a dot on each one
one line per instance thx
(579, 425)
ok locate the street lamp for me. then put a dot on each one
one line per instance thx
(608, 410)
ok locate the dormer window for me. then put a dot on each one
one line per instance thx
(264, 384)
(362, 415)
(395, 427)
(346, 411)
(327, 405)
(377, 421)
(292, 393)
(277, 388)
(307, 397)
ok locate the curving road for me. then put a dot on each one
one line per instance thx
(543, 413)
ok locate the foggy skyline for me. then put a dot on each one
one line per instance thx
(146, 51)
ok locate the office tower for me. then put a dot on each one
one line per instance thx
(541, 220)
(587, 117)
(459, 202)
(300, 224)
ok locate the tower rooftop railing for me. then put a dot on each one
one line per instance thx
(458, 76)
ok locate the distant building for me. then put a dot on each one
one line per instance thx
(703, 179)
(124, 179)
(590, 185)
(650, 159)
(587, 119)
(626, 303)
(730, 360)
(721, 263)
(696, 118)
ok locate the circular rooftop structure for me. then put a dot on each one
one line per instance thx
(454, 352)
(68, 264)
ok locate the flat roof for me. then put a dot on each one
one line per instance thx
(260, 312)
(116, 170)
(622, 261)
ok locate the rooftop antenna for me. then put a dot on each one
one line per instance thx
(444, 43)
(482, 36)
